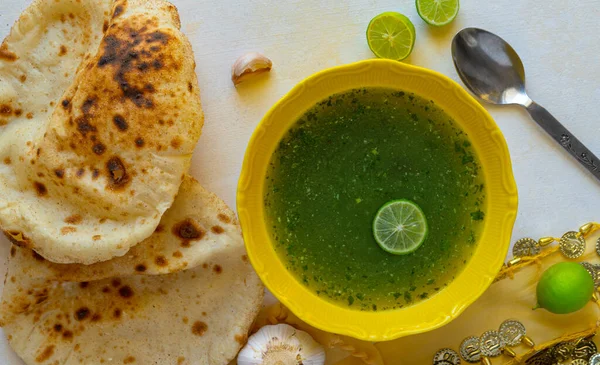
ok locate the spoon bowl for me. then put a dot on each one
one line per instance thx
(489, 66)
(493, 71)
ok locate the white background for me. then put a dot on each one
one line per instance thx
(558, 41)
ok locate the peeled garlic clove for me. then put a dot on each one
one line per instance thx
(281, 344)
(249, 64)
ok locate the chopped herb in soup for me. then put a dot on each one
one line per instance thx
(344, 159)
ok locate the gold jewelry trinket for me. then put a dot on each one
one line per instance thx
(562, 352)
(469, 350)
(512, 332)
(509, 352)
(514, 261)
(486, 361)
(545, 241)
(593, 272)
(528, 341)
(595, 359)
(526, 247)
(491, 344)
(579, 362)
(446, 355)
(572, 245)
(584, 349)
(586, 229)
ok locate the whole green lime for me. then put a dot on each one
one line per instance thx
(564, 288)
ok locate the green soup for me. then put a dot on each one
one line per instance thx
(344, 159)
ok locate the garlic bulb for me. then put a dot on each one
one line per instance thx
(249, 64)
(281, 344)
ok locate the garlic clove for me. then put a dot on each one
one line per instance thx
(281, 344)
(249, 64)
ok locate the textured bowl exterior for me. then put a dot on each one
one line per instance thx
(493, 244)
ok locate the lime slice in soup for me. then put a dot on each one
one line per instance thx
(400, 227)
(391, 35)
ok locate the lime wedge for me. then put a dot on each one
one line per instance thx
(438, 12)
(400, 227)
(391, 35)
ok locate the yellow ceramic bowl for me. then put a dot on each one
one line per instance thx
(501, 211)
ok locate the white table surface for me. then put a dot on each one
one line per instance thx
(558, 41)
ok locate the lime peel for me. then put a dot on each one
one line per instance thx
(564, 288)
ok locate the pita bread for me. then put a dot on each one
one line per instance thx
(197, 224)
(200, 315)
(99, 116)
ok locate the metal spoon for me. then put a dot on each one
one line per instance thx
(493, 71)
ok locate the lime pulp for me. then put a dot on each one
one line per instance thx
(391, 35)
(437, 12)
(400, 227)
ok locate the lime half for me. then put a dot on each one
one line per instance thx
(400, 227)
(391, 35)
(437, 12)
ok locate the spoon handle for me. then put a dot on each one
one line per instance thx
(569, 142)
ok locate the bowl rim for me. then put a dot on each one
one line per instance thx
(501, 190)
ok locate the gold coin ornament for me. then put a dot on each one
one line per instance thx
(572, 245)
(595, 359)
(562, 352)
(579, 362)
(526, 247)
(597, 270)
(512, 332)
(491, 344)
(469, 350)
(446, 355)
(584, 349)
(593, 270)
